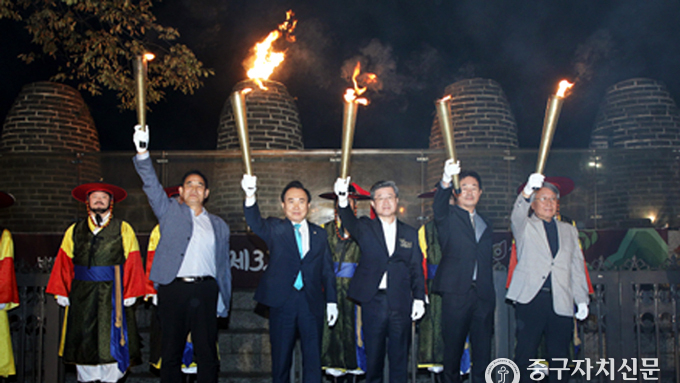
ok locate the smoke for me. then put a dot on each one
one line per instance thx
(309, 56)
(378, 59)
(596, 48)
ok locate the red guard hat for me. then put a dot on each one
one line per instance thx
(428, 194)
(172, 191)
(564, 184)
(6, 199)
(81, 192)
(355, 192)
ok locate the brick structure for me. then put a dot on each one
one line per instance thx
(634, 186)
(273, 124)
(43, 136)
(273, 121)
(482, 122)
(636, 114)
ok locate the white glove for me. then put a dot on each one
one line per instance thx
(582, 312)
(534, 182)
(62, 301)
(450, 169)
(153, 297)
(332, 313)
(129, 301)
(418, 310)
(141, 138)
(249, 185)
(2, 306)
(341, 189)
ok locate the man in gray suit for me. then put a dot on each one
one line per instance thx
(549, 278)
(191, 268)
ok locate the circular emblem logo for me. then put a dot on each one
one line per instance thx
(502, 370)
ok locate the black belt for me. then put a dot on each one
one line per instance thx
(194, 279)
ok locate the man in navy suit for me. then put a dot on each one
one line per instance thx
(464, 277)
(388, 282)
(298, 281)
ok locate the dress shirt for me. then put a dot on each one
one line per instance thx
(199, 258)
(304, 235)
(474, 229)
(551, 234)
(390, 231)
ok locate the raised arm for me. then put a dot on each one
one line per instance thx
(153, 189)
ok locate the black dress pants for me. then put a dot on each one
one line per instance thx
(463, 315)
(189, 307)
(385, 331)
(535, 320)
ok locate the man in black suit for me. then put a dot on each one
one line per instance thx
(388, 282)
(464, 277)
(298, 281)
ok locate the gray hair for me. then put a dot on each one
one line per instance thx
(552, 187)
(384, 184)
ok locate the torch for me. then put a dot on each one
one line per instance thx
(444, 113)
(140, 69)
(552, 114)
(238, 103)
(349, 117)
(349, 120)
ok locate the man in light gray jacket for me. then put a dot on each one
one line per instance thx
(549, 279)
(191, 267)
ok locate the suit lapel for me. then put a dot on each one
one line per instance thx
(560, 236)
(377, 228)
(289, 236)
(464, 217)
(312, 235)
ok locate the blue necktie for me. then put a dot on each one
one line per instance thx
(298, 238)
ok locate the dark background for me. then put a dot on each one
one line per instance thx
(416, 48)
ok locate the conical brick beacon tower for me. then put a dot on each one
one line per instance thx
(637, 176)
(47, 127)
(481, 119)
(273, 124)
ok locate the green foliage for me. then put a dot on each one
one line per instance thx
(95, 42)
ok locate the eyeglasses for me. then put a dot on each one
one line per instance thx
(385, 198)
(546, 199)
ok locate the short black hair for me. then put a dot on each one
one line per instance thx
(295, 185)
(384, 184)
(198, 173)
(473, 174)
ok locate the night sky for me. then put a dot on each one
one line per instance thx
(416, 48)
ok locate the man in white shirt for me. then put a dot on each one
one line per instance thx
(388, 282)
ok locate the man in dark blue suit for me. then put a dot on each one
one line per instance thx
(464, 277)
(298, 281)
(388, 282)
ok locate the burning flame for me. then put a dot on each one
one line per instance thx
(563, 87)
(265, 59)
(368, 78)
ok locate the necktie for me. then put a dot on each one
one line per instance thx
(98, 218)
(474, 230)
(298, 238)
